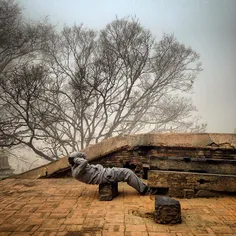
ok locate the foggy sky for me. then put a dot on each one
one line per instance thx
(208, 26)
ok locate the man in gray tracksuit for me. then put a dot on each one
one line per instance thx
(97, 174)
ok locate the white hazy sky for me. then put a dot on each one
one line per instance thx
(208, 26)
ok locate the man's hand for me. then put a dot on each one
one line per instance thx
(78, 154)
(71, 161)
(74, 155)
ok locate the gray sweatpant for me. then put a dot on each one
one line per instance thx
(113, 175)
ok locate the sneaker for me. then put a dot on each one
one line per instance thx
(149, 191)
(152, 191)
(144, 192)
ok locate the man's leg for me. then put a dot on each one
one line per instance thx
(128, 176)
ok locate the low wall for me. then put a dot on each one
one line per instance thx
(115, 151)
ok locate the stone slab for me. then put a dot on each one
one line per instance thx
(107, 191)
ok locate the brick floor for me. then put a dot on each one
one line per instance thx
(68, 207)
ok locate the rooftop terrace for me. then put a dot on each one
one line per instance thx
(68, 207)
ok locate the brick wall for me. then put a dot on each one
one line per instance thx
(140, 148)
(141, 155)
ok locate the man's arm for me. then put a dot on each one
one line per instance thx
(78, 162)
(79, 167)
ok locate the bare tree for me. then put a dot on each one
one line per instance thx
(94, 85)
(25, 109)
(19, 40)
(20, 46)
(120, 81)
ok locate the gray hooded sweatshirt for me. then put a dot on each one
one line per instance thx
(97, 174)
(86, 173)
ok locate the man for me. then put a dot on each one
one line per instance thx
(97, 174)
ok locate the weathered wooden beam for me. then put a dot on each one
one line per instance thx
(200, 165)
(179, 183)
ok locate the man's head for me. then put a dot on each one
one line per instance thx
(74, 155)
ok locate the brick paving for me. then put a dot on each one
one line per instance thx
(67, 207)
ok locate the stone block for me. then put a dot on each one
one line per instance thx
(188, 193)
(206, 193)
(108, 191)
(175, 192)
(167, 210)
